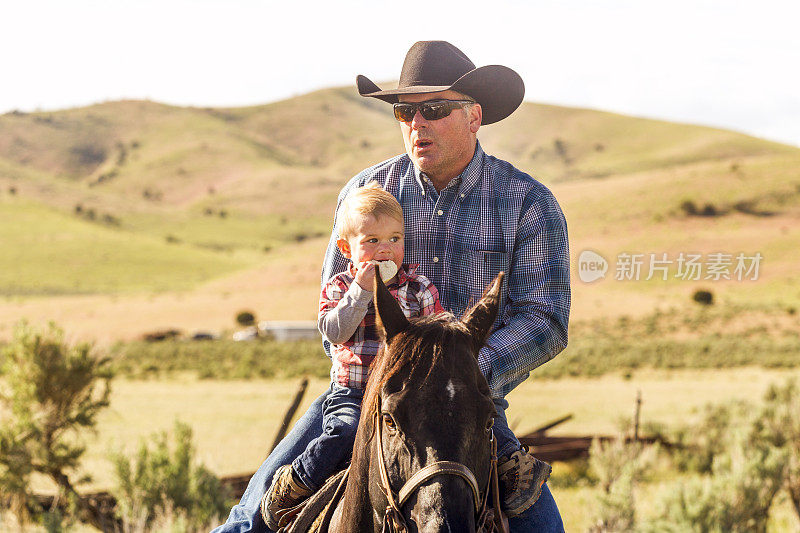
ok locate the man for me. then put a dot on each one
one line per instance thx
(468, 216)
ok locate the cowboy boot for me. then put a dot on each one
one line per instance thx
(521, 477)
(280, 504)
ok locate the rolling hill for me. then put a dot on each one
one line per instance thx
(133, 215)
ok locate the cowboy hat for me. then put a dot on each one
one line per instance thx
(433, 66)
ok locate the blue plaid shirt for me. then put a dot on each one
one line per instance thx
(490, 218)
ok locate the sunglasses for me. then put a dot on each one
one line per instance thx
(430, 110)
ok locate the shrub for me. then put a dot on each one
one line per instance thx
(54, 392)
(88, 154)
(161, 335)
(735, 498)
(779, 423)
(163, 484)
(709, 211)
(700, 444)
(618, 465)
(561, 149)
(689, 208)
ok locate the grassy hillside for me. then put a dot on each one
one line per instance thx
(46, 252)
(191, 213)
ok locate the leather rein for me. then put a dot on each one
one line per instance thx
(487, 514)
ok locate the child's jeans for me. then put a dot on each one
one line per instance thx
(330, 452)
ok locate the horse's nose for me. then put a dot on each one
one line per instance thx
(444, 523)
(445, 506)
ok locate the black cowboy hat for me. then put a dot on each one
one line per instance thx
(433, 66)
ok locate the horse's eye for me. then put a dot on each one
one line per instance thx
(489, 424)
(389, 421)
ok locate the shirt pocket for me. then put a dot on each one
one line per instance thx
(486, 265)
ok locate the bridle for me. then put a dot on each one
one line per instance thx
(488, 518)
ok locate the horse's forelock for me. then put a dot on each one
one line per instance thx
(418, 348)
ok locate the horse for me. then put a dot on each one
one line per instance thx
(424, 458)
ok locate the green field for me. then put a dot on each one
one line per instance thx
(89, 257)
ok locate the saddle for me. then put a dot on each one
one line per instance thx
(316, 512)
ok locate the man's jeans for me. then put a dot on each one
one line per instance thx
(507, 442)
(246, 515)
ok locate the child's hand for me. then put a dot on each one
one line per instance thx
(365, 276)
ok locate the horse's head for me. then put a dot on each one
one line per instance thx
(431, 404)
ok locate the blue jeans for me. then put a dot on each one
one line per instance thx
(246, 515)
(331, 451)
(507, 442)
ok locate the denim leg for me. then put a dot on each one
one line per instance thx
(507, 442)
(246, 515)
(330, 452)
(543, 516)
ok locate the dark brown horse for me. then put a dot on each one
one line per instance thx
(427, 415)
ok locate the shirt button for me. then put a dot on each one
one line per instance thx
(435, 259)
(440, 212)
(462, 196)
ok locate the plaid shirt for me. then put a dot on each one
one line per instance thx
(351, 359)
(490, 218)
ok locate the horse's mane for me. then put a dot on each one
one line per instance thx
(419, 348)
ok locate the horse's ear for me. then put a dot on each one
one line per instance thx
(480, 318)
(389, 318)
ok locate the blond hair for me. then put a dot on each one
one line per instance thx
(371, 199)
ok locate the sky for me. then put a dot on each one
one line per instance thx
(729, 64)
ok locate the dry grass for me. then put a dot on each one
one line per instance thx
(234, 422)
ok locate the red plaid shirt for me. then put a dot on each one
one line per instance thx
(351, 360)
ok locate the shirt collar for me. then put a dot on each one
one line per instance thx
(467, 179)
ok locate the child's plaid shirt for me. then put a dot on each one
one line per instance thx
(352, 358)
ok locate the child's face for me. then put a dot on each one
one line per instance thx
(375, 238)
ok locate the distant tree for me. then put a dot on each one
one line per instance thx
(703, 297)
(53, 393)
(561, 149)
(245, 318)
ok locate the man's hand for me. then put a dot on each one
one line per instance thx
(365, 277)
